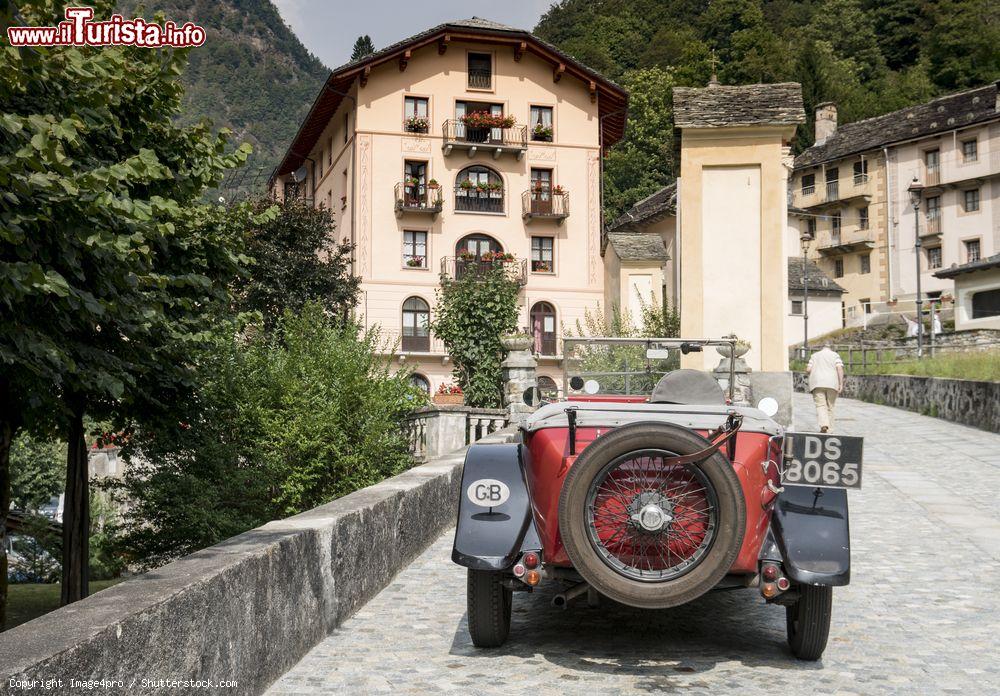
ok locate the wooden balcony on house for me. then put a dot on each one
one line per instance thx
(459, 267)
(495, 141)
(545, 205)
(417, 198)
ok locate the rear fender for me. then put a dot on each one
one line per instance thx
(492, 538)
(810, 535)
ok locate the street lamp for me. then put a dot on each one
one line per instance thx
(916, 190)
(804, 240)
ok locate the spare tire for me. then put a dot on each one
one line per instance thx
(646, 532)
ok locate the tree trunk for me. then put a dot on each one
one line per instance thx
(76, 514)
(6, 437)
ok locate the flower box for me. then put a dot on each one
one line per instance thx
(449, 399)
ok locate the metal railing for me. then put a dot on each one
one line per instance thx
(832, 190)
(474, 200)
(418, 198)
(416, 344)
(933, 225)
(456, 132)
(932, 176)
(547, 345)
(545, 204)
(457, 267)
(480, 78)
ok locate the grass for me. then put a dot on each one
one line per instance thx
(28, 601)
(982, 366)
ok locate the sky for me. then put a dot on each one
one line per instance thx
(328, 28)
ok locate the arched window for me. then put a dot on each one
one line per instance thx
(420, 382)
(477, 245)
(416, 332)
(543, 328)
(479, 189)
(548, 389)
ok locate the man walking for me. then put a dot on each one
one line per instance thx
(826, 381)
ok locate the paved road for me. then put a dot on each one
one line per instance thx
(922, 615)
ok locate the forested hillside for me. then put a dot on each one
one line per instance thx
(252, 75)
(868, 56)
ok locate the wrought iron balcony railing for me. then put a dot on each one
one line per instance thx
(545, 204)
(458, 267)
(480, 79)
(476, 200)
(417, 198)
(496, 140)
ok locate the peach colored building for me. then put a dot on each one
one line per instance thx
(422, 187)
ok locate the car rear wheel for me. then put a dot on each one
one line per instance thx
(489, 604)
(808, 622)
(647, 532)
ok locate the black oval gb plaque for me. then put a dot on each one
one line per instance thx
(826, 461)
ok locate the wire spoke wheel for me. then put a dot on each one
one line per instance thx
(649, 519)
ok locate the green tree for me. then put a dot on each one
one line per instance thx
(851, 33)
(109, 264)
(473, 312)
(643, 162)
(961, 50)
(363, 46)
(280, 423)
(38, 470)
(295, 261)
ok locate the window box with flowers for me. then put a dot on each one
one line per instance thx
(449, 395)
(415, 262)
(416, 124)
(541, 267)
(542, 134)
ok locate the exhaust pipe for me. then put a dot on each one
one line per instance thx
(562, 599)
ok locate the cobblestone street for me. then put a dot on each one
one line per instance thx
(921, 615)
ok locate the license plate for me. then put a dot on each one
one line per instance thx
(824, 461)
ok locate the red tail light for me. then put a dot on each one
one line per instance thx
(770, 572)
(530, 560)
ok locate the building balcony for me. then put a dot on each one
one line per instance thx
(853, 188)
(416, 198)
(459, 267)
(497, 141)
(932, 226)
(932, 176)
(844, 243)
(472, 199)
(545, 205)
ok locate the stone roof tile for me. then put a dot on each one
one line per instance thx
(971, 267)
(942, 114)
(819, 282)
(651, 208)
(638, 246)
(719, 106)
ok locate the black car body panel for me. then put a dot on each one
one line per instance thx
(492, 538)
(811, 532)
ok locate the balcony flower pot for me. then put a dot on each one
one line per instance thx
(741, 349)
(449, 399)
(514, 342)
(433, 184)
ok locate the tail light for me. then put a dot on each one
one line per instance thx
(783, 584)
(530, 560)
(769, 590)
(532, 577)
(518, 570)
(770, 572)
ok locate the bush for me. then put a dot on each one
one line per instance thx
(279, 424)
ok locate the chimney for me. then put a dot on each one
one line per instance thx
(826, 121)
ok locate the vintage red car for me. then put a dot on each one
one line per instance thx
(652, 499)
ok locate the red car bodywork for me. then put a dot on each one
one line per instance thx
(551, 462)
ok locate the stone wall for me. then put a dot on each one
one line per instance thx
(246, 609)
(958, 400)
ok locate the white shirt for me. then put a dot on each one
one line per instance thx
(823, 370)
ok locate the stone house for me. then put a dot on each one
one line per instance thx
(977, 293)
(853, 183)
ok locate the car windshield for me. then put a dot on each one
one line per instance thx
(631, 366)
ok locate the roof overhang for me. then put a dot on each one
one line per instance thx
(611, 98)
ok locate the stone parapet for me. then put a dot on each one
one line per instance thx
(246, 609)
(958, 400)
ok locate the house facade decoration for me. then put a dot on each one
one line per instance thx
(457, 147)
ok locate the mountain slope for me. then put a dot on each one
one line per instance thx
(252, 74)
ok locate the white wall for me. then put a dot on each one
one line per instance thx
(731, 224)
(824, 317)
(966, 286)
